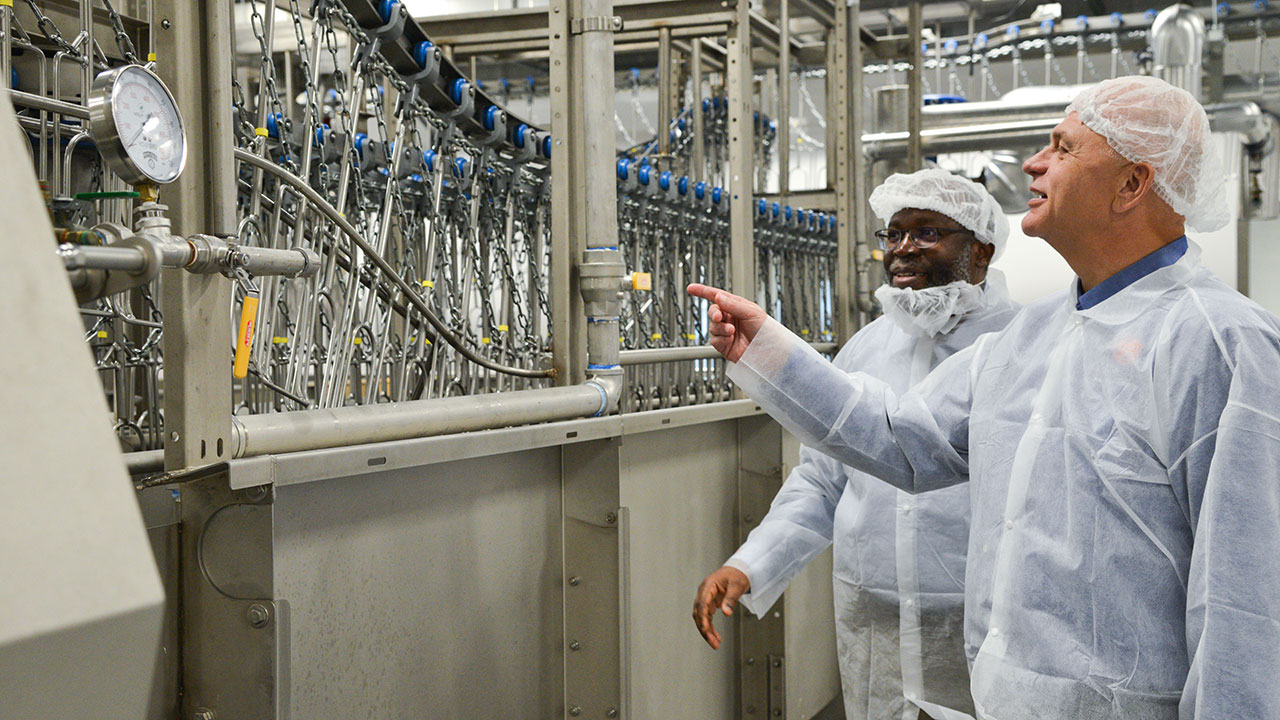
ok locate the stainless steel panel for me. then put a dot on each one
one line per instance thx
(679, 489)
(813, 676)
(429, 592)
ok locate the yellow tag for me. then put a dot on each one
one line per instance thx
(248, 318)
(484, 341)
(656, 336)
(261, 132)
(426, 341)
(101, 333)
(502, 328)
(641, 281)
(877, 255)
(151, 57)
(6, 3)
(356, 341)
(690, 336)
(804, 331)
(428, 284)
(621, 339)
(277, 340)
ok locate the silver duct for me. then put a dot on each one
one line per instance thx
(1177, 46)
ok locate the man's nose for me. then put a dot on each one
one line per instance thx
(906, 247)
(1034, 165)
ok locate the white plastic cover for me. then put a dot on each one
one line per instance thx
(1145, 119)
(1125, 493)
(899, 559)
(960, 199)
(933, 311)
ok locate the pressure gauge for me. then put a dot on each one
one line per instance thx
(136, 126)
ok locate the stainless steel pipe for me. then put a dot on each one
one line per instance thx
(992, 136)
(26, 99)
(276, 433)
(200, 255)
(1243, 117)
(93, 257)
(650, 356)
(973, 113)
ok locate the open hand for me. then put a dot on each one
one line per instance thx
(720, 590)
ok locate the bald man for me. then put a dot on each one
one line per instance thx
(1122, 438)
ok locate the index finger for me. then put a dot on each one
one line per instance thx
(706, 292)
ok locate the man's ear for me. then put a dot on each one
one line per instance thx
(982, 254)
(1138, 181)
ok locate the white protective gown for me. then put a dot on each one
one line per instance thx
(890, 546)
(1124, 553)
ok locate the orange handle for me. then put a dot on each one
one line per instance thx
(244, 339)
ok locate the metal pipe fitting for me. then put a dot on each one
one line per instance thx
(209, 254)
(1245, 118)
(601, 275)
(1177, 47)
(609, 384)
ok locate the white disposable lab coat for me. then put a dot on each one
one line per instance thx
(899, 559)
(1124, 553)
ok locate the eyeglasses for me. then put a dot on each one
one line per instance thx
(922, 237)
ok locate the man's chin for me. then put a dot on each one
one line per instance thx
(1031, 226)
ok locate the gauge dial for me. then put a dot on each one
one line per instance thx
(137, 126)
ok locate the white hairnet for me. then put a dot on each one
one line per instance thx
(1146, 119)
(960, 199)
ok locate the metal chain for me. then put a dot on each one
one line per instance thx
(123, 43)
(50, 30)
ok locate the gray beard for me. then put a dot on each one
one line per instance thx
(962, 268)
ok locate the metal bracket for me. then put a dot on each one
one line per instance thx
(235, 634)
(595, 23)
(890, 48)
(777, 687)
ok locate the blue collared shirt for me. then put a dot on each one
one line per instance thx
(1164, 257)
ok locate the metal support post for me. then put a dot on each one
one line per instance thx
(665, 107)
(844, 125)
(784, 98)
(6, 45)
(594, 536)
(741, 145)
(569, 334)
(915, 101)
(861, 220)
(193, 42)
(834, 64)
(698, 170)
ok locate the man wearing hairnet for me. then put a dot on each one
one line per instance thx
(1122, 437)
(899, 559)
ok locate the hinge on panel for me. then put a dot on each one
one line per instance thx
(595, 23)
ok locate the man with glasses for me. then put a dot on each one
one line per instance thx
(1122, 437)
(899, 559)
